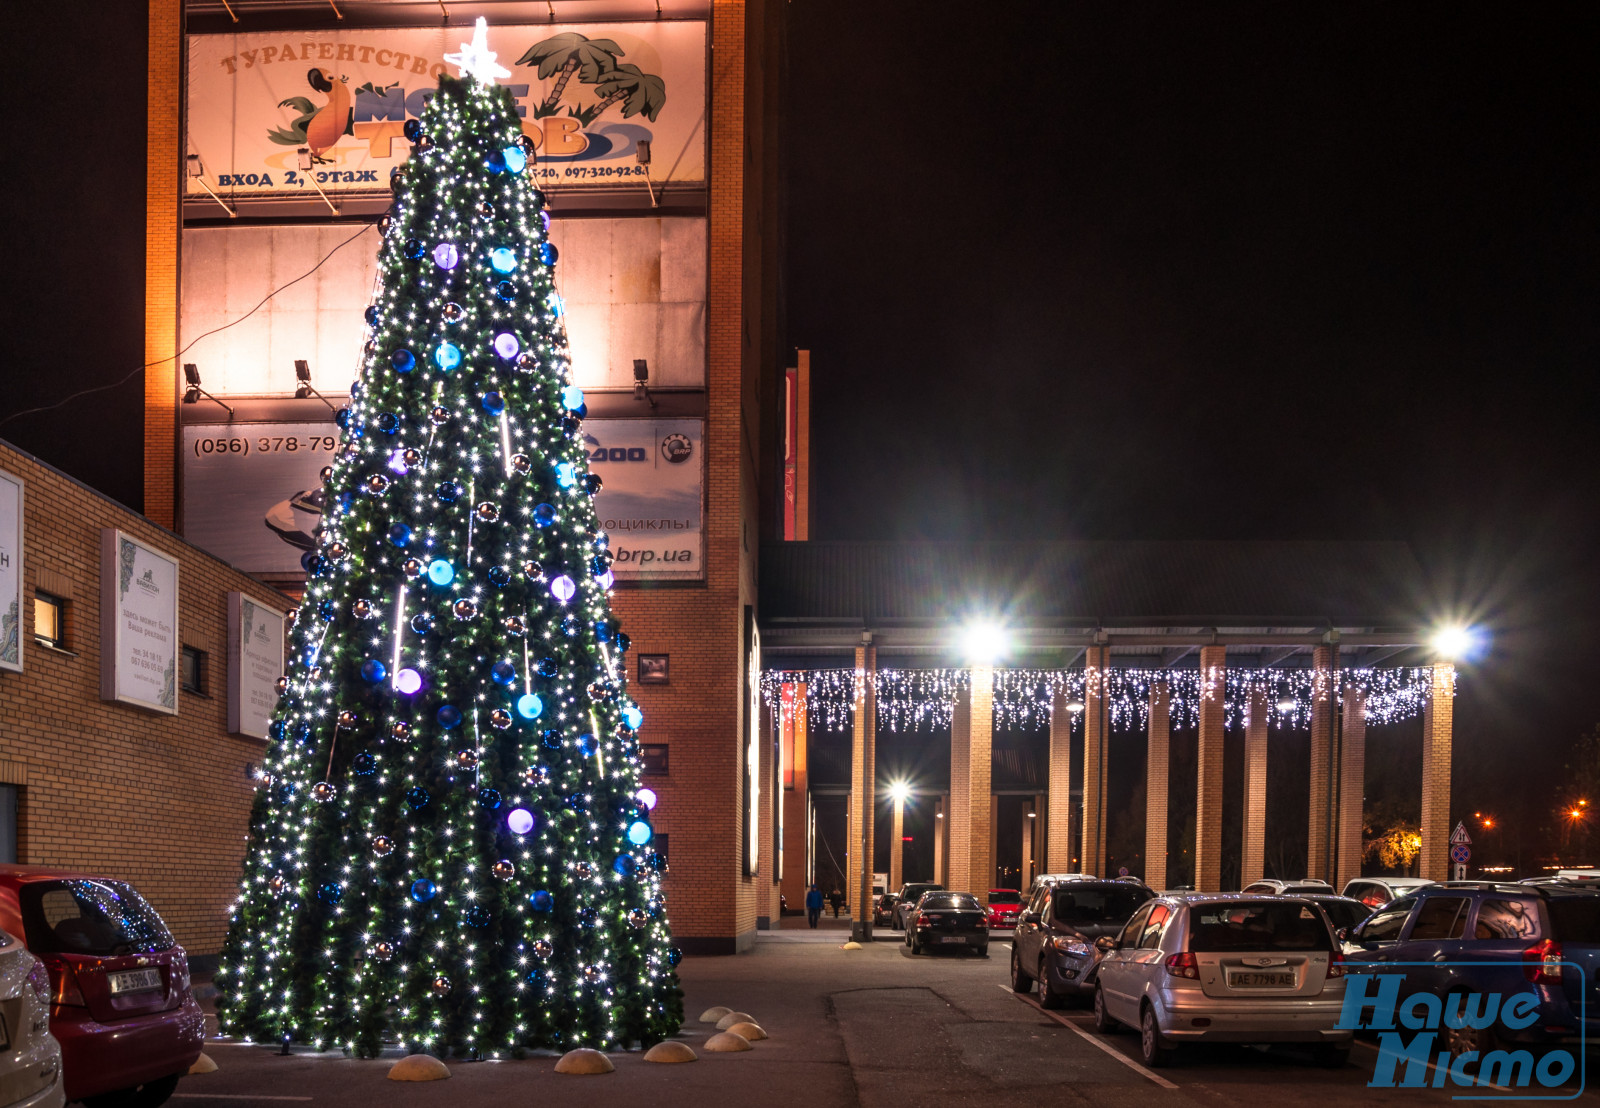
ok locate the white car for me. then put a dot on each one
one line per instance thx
(30, 1059)
(1375, 892)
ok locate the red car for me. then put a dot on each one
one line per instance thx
(1004, 907)
(121, 1005)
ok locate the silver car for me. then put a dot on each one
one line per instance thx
(1225, 967)
(30, 1057)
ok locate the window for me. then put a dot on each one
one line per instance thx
(1081, 903)
(8, 823)
(50, 620)
(1257, 925)
(659, 845)
(194, 671)
(91, 917)
(1384, 926)
(1262, 890)
(654, 757)
(1130, 934)
(950, 902)
(1507, 919)
(1373, 896)
(1441, 917)
(1150, 939)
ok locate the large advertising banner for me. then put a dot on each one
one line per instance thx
(588, 94)
(255, 661)
(10, 572)
(138, 624)
(252, 493)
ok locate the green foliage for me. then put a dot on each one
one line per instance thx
(371, 790)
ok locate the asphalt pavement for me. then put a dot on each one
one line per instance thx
(874, 1027)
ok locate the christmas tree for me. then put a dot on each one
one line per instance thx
(450, 848)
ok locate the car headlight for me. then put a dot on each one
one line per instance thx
(1075, 947)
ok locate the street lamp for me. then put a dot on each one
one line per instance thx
(898, 792)
(985, 643)
(1457, 642)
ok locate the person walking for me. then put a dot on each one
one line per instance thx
(813, 906)
(836, 898)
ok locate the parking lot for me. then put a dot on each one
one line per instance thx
(874, 1027)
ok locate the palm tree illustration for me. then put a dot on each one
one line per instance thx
(640, 92)
(566, 54)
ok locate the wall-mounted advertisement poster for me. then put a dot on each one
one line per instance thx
(252, 493)
(138, 624)
(588, 94)
(10, 572)
(255, 661)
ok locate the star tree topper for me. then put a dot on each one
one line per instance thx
(476, 59)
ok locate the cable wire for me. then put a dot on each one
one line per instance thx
(197, 338)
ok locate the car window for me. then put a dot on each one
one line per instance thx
(1373, 896)
(1345, 913)
(949, 901)
(1150, 934)
(1575, 919)
(1258, 888)
(1004, 896)
(1079, 903)
(1296, 890)
(1385, 925)
(1135, 928)
(1441, 917)
(1507, 919)
(1261, 925)
(105, 918)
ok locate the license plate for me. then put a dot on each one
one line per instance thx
(952, 939)
(135, 981)
(1262, 980)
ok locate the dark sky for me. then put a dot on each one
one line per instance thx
(1109, 270)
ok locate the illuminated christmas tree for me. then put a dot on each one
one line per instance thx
(450, 849)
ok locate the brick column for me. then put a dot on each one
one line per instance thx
(897, 846)
(1321, 752)
(941, 840)
(768, 802)
(1156, 780)
(863, 797)
(164, 174)
(971, 854)
(1352, 784)
(1095, 724)
(1208, 795)
(1058, 821)
(1259, 719)
(796, 809)
(1438, 722)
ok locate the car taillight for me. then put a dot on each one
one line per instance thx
(1184, 964)
(39, 979)
(1336, 965)
(67, 992)
(1541, 963)
(983, 925)
(923, 922)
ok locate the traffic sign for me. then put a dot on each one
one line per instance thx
(1460, 852)
(1122, 871)
(1459, 835)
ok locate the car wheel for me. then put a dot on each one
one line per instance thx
(1021, 981)
(1103, 1022)
(1462, 1040)
(1152, 1047)
(983, 951)
(1048, 997)
(149, 1095)
(1332, 1057)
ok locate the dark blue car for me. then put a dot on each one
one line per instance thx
(1516, 939)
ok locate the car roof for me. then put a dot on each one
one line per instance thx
(1322, 897)
(1228, 898)
(24, 874)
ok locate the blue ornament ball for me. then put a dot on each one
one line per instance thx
(327, 609)
(551, 739)
(302, 732)
(602, 630)
(623, 641)
(504, 673)
(549, 253)
(489, 798)
(422, 890)
(399, 534)
(414, 248)
(449, 717)
(544, 515)
(412, 128)
(330, 892)
(422, 623)
(495, 162)
(448, 491)
(476, 916)
(546, 667)
(505, 290)
(342, 417)
(373, 671)
(499, 576)
(586, 745)
(404, 361)
(417, 797)
(541, 900)
(278, 729)
(493, 403)
(388, 423)
(674, 956)
(571, 627)
(363, 765)
(624, 865)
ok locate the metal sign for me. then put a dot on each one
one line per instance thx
(1459, 835)
(1460, 852)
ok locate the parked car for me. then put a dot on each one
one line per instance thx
(1056, 941)
(1343, 912)
(883, 910)
(30, 1060)
(1375, 892)
(1004, 907)
(1493, 938)
(946, 919)
(122, 1007)
(1235, 968)
(1271, 886)
(1044, 879)
(906, 901)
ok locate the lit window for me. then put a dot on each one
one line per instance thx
(50, 620)
(194, 671)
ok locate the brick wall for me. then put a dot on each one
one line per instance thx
(1208, 799)
(162, 801)
(1157, 786)
(163, 172)
(1058, 828)
(1321, 768)
(1438, 721)
(1254, 843)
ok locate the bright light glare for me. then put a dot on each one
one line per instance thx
(899, 791)
(1455, 642)
(986, 643)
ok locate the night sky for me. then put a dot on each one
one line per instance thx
(1107, 270)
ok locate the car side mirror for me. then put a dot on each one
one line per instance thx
(1342, 934)
(1030, 917)
(1105, 943)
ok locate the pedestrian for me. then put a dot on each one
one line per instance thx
(836, 898)
(813, 906)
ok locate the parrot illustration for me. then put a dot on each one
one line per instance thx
(318, 128)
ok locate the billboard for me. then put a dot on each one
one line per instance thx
(252, 492)
(588, 95)
(138, 624)
(255, 661)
